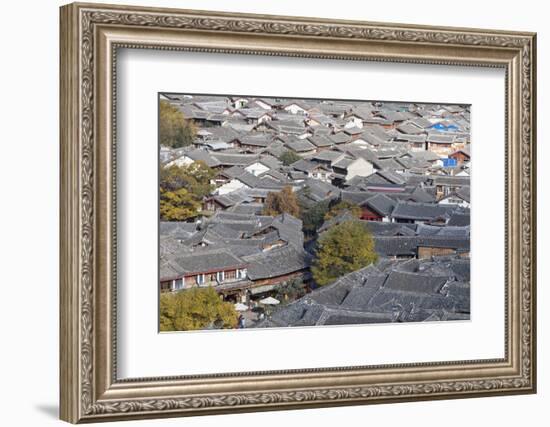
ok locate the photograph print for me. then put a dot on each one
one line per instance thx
(291, 212)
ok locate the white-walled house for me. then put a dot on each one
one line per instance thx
(455, 199)
(240, 102)
(231, 186)
(263, 104)
(349, 168)
(180, 161)
(360, 167)
(294, 108)
(354, 121)
(264, 118)
(314, 170)
(361, 143)
(256, 168)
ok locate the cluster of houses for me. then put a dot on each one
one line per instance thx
(406, 166)
(243, 256)
(415, 290)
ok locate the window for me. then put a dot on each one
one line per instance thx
(178, 284)
(200, 279)
(220, 276)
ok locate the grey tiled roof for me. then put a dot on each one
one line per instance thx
(176, 228)
(392, 177)
(234, 159)
(422, 122)
(247, 208)
(459, 219)
(256, 140)
(419, 211)
(204, 156)
(353, 130)
(383, 177)
(343, 163)
(408, 245)
(357, 197)
(412, 282)
(372, 139)
(379, 132)
(328, 156)
(306, 165)
(457, 181)
(287, 127)
(389, 165)
(277, 262)
(204, 262)
(446, 231)
(414, 138)
(407, 128)
(321, 140)
(379, 228)
(426, 155)
(413, 163)
(214, 106)
(317, 190)
(438, 138)
(238, 125)
(464, 193)
(382, 204)
(222, 133)
(421, 195)
(340, 138)
(365, 153)
(300, 146)
(396, 245)
(270, 161)
(232, 172)
(232, 199)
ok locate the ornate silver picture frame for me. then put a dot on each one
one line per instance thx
(91, 35)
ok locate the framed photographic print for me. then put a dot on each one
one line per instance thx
(268, 212)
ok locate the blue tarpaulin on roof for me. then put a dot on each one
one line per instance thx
(441, 126)
(448, 163)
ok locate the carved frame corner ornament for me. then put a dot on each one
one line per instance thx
(90, 36)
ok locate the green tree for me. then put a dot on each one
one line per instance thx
(288, 157)
(196, 308)
(314, 215)
(342, 206)
(344, 248)
(284, 201)
(174, 129)
(291, 291)
(182, 189)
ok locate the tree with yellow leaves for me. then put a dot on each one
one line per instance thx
(194, 309)
(284, 201)
(178, 205)
(344, 248)
(341, 206)
(174, 129)
(182, 189)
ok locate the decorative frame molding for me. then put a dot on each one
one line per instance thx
(90, 36)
